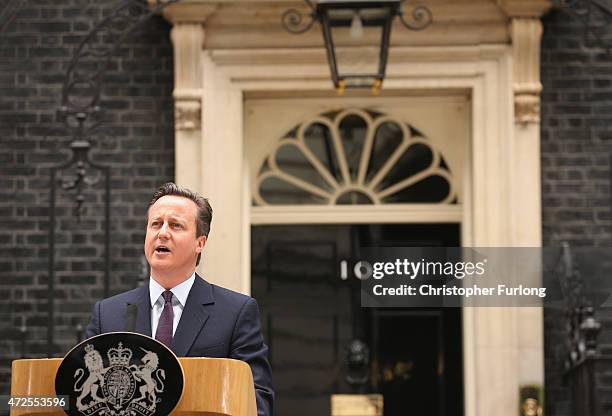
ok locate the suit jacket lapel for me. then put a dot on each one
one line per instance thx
(194, 316)
(143, 301)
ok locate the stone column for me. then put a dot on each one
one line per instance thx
(187, 36)
(525, 194)
(187, 39)
(526, 38)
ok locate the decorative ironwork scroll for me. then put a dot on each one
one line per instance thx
(420, 18)
(296, 22)
(293, 20)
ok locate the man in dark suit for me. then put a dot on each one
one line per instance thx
(191, 316)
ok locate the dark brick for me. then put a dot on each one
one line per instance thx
(78, 280)
(572, 109)
(569, 57)
(48, 158)
(72, 12)
(8, 52)
(27, 13)
(17, 170)
(564, 83)
(48, 27)
(24, 39)
(82, 26)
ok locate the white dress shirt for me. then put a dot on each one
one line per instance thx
(179, 297)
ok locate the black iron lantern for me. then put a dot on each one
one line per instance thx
(357, 34)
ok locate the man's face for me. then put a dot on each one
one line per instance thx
(171, 245)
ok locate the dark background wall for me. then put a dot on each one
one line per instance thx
(35, 49)
(576, 152)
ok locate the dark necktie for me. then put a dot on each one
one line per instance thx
(166, 320)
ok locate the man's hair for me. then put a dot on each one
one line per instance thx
(204, 213)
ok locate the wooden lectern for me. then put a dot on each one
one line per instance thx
(213, 386)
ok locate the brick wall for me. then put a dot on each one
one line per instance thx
(35, 49)
(576, 154)
(138, 143)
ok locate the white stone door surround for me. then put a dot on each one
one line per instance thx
(503, 347)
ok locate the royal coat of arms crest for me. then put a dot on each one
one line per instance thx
(122, 385)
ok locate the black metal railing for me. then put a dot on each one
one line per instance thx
(582, 330)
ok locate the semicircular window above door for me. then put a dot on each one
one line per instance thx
(354, 157)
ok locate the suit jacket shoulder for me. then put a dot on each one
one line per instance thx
(109, 314)
(126, 297)
(227, 297)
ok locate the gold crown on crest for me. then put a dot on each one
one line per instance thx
(119, 355)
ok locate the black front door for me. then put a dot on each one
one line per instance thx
(309, 298)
